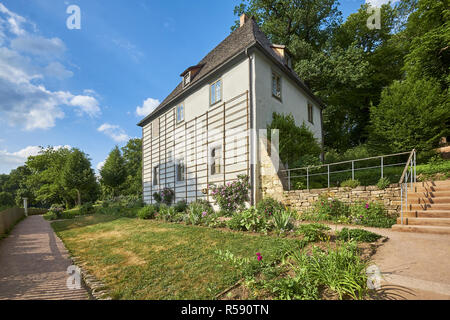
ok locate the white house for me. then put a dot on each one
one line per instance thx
(199, 135)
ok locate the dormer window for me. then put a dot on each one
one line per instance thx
(187, 79)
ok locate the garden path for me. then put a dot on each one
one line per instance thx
(33, 264)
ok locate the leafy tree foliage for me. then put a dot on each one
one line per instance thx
(132, 154)
(78, 175)
(410, 115)
(296, 144)
(114, 173)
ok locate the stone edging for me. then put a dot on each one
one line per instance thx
(95, 287)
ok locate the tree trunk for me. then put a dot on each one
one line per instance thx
(79, 197)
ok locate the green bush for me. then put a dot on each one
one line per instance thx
(50, 215)
(371, 214)
(332, 208)
(181, 206)
(249, 220)
(147, 212)
(86, 208)
(357, 235)
(269, 206)
(313, 232)
(157, 197)
(350, 183)
(383, 183)
(200, 212)
(169, 214)
(232, 196)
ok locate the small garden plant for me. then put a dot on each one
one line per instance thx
(357, 235)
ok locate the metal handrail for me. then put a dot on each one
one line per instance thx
(405, 178)
(353, 169)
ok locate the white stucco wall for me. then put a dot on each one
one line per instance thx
(293, 99)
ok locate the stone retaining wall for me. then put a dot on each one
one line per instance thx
(303, 199)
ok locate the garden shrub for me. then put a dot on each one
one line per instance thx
(350, 183)
(249, 220)
(383, 183)
(181, 206)
(57, 209)
(313, 232)
(232, 196)
(167, 195)
(87, 208)
(157, 197)
(199, 212)
(371, 214)
(357, 235)
(147, 212)
(50, 215)
(325, 208)
(269, 206)
(169, 214)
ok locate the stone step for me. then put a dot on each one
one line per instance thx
(428, 200)
(427, 214)
(421, 229)
(429, 189)
(429, 206)
(431, 194)
(425, 221)
(439, 183)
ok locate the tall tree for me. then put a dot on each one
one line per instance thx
(78, 175)
(113, 173)
(132, 154)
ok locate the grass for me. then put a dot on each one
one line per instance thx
(148, 259)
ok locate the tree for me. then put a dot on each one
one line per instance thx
(45, 182)
(113, 173)
(6, 199)
(78, 175)
(295, 143)
(411, 114)
(132, 154)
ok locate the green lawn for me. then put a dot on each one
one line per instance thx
(148, 259)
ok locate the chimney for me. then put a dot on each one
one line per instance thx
(243, 19)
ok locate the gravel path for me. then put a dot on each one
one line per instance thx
(33, 264)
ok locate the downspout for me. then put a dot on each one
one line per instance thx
(252, 130)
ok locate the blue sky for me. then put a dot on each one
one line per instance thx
(88, 88)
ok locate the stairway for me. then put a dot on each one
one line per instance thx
(428, 209)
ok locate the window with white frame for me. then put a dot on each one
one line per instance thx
(155, 128)
(276, 85)
(156, 175)
(216, 159)
(180, 113)
(310, 113)
(187, 79)
(180, 170)
(215, 92)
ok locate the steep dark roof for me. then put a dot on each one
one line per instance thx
(240, 39)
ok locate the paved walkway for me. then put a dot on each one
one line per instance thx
(33, 264)
(413, 265)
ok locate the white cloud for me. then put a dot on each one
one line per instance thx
(147, 107)
(24, 66)
(87, 104)
(14, 21)
(100, 165)
(39, 46)
(58, 71)
(379, 3)
(12, 160)
(115, 132)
